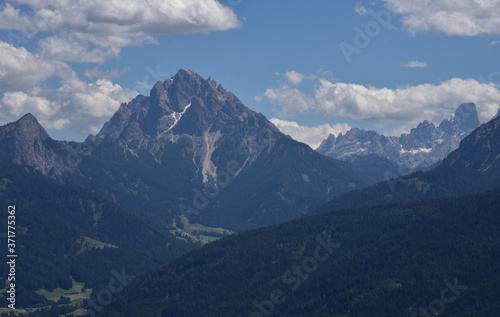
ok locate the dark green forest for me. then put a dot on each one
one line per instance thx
(392, 260)
(64, 216)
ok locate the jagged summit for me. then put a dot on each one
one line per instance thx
(466, 117)
(27, 143)
(184, 104)
(27, 127)
(176, 151)
(423, 147)
(480, 150)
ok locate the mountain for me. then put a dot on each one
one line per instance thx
(25, 142)
(422, 148)
(436, 256)
(64, 233)
(472, 168)
(479, 151)
(192, 150)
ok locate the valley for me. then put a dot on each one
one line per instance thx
(234, 158)
(189, 186)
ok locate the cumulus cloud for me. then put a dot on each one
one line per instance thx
(290, 100)
(312, 136)
(17, 103)
(78, 106)
(20, 69)
(409, 104)
(451, 17)
(94, 31)
(90, 31)
(415, 64)
(296, 78)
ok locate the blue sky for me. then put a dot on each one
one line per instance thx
(312, 67)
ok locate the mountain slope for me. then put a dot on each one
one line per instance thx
(472, 168)
(58, 227)
(382, 261)
(237, 169)
(422, 148)
(479, 151)
(192, 149)
(25, 142)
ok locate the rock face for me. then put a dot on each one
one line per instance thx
(25, 142)
(192, 149)
(184, 108)
(480, 150)
(423, 147)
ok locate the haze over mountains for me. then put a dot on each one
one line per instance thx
(422, 148)
(190, 149)
(191, 154)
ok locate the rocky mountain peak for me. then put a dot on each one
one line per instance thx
(423, 147)
(327, 144)
(480, 150)
(27, 143)
(184, 104)
(466, 117)
(28, 127)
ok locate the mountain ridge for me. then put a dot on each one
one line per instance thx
(422, 148)
(473, 167)
(157, 154)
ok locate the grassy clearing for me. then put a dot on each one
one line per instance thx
(75, 293)
(191, 231)
(190, 227)
(208, 238)
(97, 244)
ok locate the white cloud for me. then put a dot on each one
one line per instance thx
(494, 43)
(91, 31)
(87, 104)
(452, 17)
(360, 9)
(12, 19)
(296, 78)
(290, 100)
(78, 106)
(415, 64)
(313, 136)
(17, 103)
(20, 69)
(404, 105)
(95, 31)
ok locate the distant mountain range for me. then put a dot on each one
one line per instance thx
(472, 168)
(191, 149)
(422, 148)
